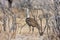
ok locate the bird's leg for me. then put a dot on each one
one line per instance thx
(32, 30)
(29, 29)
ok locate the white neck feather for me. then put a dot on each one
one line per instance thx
(27, 13)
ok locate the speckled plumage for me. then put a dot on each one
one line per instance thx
(33, 23)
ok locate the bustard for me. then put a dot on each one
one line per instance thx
(32, 22)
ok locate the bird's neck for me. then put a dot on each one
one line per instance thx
(27, 13)
(28, 16)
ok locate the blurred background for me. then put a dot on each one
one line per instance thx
(44, 14)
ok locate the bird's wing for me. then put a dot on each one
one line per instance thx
(33, 22)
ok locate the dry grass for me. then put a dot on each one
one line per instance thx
(25, 34)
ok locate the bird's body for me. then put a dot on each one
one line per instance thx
(10, 3)
(33, 23)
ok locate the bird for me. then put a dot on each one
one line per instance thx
(32, 22)
(10, 3)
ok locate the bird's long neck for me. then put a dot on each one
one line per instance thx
(27, 13)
